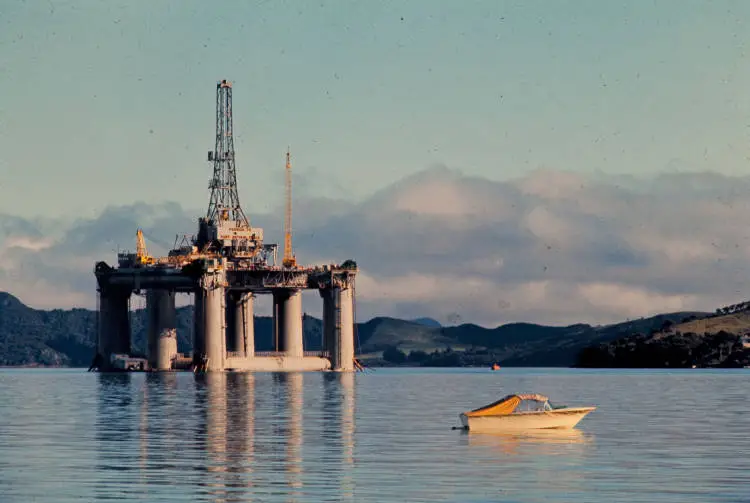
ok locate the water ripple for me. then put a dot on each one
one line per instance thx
(66, 435)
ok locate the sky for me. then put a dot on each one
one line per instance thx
(424, 123)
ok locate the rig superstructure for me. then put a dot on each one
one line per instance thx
(224, 266)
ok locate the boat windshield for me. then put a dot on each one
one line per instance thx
(512, 404)
(533, 406)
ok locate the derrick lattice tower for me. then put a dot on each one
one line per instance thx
(225, 228)
(225, 201)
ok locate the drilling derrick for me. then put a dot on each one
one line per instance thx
(225, 228)
(289, 259)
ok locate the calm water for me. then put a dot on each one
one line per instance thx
(66, 435)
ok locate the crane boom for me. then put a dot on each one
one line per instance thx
(140, 244)
(289, 259)
(142, 256)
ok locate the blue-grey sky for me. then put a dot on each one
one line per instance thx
(488, 161)
(112, 102)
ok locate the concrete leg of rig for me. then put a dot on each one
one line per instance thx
(114, 325)
(343, 355)
(104, 319)
(199, 335)
(232, 344)
(292, 324)
(214, 325)
(329, 323)
(240, 325)
(166, 349)
(276, 311)
(288, 311)
(246, 316)
(162, 329)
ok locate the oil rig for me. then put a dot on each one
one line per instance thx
(224, 266)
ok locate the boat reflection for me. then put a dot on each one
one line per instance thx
(550, 460)
(540, 441)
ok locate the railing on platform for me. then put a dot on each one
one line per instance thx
(276, 354)
(270, 353)
(319, 354)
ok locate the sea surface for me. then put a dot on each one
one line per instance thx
(381, 436)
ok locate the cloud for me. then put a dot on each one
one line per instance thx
(550, 247)
(27, 243)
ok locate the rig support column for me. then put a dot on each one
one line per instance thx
(287, 307)
(329, 340)
(210, 327)
(346, 333)
(338, 327)
(199, 337)
(114, 324)
(248, 323)
(162, 329)
(240, 324)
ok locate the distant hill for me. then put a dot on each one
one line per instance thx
(428, 322)
(67, 337)
(737, 323)
(668, 350)
(381, 333)
(523, 344)
(713, 340)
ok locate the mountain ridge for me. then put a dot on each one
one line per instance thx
(60, 337)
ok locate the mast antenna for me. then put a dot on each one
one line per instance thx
(289, 259)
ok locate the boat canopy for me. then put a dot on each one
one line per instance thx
(506, 405)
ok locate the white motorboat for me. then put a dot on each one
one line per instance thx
(522, 412)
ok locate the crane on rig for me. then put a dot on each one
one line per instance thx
(142, 256)
(289, 258)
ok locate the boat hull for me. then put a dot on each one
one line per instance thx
(560, 418)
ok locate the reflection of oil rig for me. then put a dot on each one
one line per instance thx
(247, 432)
(224, 266)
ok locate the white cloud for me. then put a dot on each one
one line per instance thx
(27, 243)
(633, 301)
(552, 185)
(676, 249)
(552, 247)
(548, 226)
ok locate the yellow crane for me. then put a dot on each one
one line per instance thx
(141, 255)
(289, 258)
